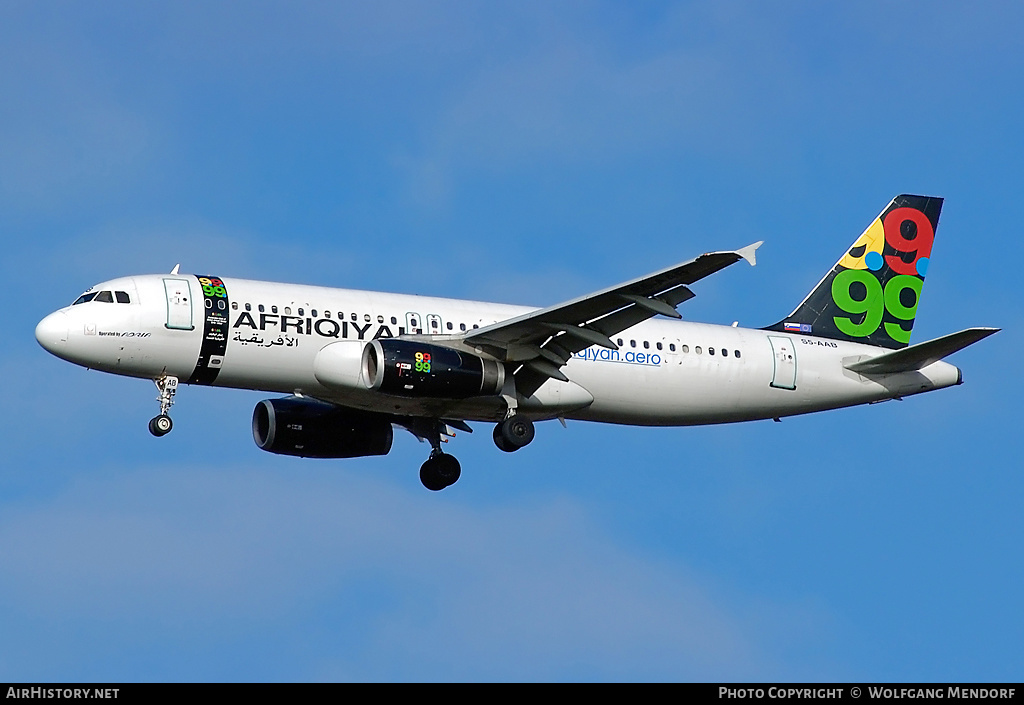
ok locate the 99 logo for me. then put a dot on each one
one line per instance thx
(422, 362)
(909, 232)
(213, 287)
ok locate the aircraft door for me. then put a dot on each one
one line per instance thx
(413, 323)
(179, 304)
(784, 376)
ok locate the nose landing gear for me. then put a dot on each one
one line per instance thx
(161, 425)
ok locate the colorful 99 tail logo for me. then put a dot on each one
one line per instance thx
(883, 273)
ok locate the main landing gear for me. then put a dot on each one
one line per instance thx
(440, 470)
(513, 433)
(161, 425)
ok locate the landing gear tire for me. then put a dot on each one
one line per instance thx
(160, 425)
(168, 387)
(441, 470)
(513, 433)
(500, 441)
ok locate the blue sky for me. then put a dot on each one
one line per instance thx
(526, 153)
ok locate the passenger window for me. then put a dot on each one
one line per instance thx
(737, 353)
(619, 342)
(248, 307)
(354, 317)
(327, 314)
(302, 312)
(273, 309)
(672, 347)
(449, 324)
(462, 326)
(314, 313)
(287, 310)
(686, 348)
(658, 345)
(725, 353)
(697, 350)
(122, 297)
(366, 317)
(234, 304)
(105, 297)
(394, 321)
(632, 343)
(647, 345)
(380, 319)
(261, 308)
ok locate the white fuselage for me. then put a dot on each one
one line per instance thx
(665, 372)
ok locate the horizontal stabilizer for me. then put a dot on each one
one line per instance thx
(921, 355)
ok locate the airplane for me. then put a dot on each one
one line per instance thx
(356, 364)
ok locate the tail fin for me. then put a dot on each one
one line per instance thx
(871, 295)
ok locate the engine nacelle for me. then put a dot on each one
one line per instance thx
(413, 369)
(339, 365)
(312, 429)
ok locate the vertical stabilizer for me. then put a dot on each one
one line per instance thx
(872, 293)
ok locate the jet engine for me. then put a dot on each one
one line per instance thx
(313, 429)
(412, 369)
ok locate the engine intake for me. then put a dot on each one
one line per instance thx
(312, 429)
(412, 369)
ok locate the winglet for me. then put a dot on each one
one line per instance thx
(747, 252)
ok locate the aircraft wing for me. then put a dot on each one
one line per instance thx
(545, 339)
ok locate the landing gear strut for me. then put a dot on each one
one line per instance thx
(161, 425)
(515, 432)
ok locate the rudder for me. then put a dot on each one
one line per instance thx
(871, 295)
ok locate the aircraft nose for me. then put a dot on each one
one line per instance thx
(52, 332)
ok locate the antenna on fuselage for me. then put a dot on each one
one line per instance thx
(175, 270)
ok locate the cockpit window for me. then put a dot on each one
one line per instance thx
(122, 297)
(85, 298)
(104, 297)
